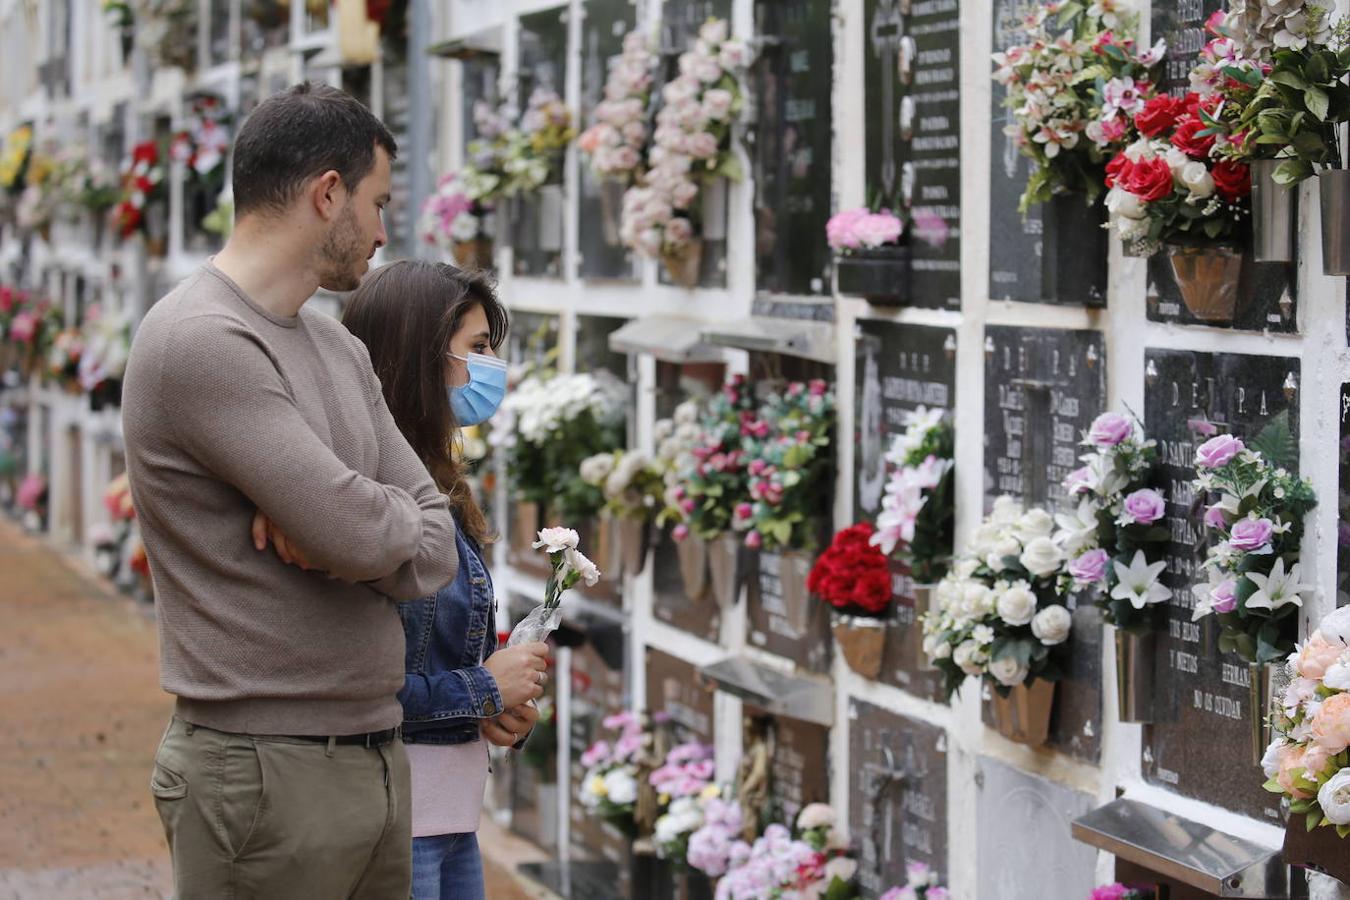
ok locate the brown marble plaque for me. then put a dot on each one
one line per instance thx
(799, 771)
(767, 620)
(675, 688)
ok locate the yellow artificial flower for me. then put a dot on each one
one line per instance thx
(598, 787)
(710, 792)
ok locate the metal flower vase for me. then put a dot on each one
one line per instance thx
(798, 604)
(1208, 278)
(1262, 691)
(724, 567)
(693, 556)
(1334, 186)
(925, 601)
(634, 541)
(862, 639)
(684, 267)
(1272, 214)
(1136, 654)
(1024, 715)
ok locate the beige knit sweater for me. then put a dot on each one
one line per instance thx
(228, 409)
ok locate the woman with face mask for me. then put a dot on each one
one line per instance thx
(433, 332)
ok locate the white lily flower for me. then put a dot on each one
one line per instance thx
(1278, 588)
(1139, 583)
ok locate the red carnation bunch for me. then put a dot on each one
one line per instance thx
(852, 574)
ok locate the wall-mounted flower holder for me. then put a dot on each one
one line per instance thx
(1209, 278)
(880, 276)
(635, 538)
(1136, 654)
(683, 267)
(725, 569)
(1024, 715)
(693, 556)
(1272, 214)
(1334, 186)
(862, 639)
(1321, 849)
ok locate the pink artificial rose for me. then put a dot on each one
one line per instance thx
(1315, 760)
(1224, 596)
(1110, 892)
(1316, 656)
(878, 229)
(1145, 506)
(1215, 518)
(1251, 534)
(1218, 452)
(1110, 429)
(1079, 481)
(840, 230)
(754, 540)
(1291, 762)
(1090, 567)
(701, 146)
(744, 510)
(680, 532)
(1331, 725)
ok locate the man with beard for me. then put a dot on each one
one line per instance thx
(249, 420)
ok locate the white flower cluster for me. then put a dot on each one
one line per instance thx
(676, 438)
(692, 134)
(616, 140)
(1190, 177)
(1263, 26)
(539, 406)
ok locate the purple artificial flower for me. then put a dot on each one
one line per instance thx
(1215, 518)
(1218, 452)
(1090, 567)
(1079, 481)
(754, 540)
(1224, 596)
(679, 532)
(1145, 506)
(1251, 535)
(1110, 429)
(1111, 892)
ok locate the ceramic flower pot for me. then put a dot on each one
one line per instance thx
(1024, 715)
(1321, 849)
(1334, 186)
(881, 276)
(862, 640)
(1208, 278)
(798, 605)
(1135, 657)
(634, 542)
(683, 267)
(1272, 214)
(1262, 691)
(724, 567)
(693, 556)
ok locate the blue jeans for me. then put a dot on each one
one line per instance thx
(447, 867)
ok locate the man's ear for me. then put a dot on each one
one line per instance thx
(328, 194)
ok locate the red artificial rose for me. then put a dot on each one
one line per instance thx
(1159, 114)
(1116, 168)
(1188, 140)
(1232, 180)
(1148, 179)
(852, 573)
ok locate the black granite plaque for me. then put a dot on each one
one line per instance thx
(1267, 298)
(1057, 252)
(597, 691)
(769, 622)
(675, 689)
(1201, 747)
(1343, 505)
(537, 218)
(479, 83)
(897, 795)
(899, 368)
(1042, 389)
(791, 145)
(799, 772)
(912, 70)
(603, 256)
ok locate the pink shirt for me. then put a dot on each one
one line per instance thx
(447, 787)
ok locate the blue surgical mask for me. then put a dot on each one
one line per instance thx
(476, 401)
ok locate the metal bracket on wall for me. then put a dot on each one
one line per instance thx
(790, 696)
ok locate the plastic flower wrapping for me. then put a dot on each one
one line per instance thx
(1253, 582)
(617, 139)
(1308, 761)
(692, 144)
(1115, 539)
(918, 512)
(1075, 81)
(814, 863)
(1001, 614)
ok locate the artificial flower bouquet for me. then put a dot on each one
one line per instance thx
(1074, 84)
(630, 481)
(710, 845)
(512, 156)
(63, 357)
(1253, 585)
(452, 217)
(918, 512)
(675, 439)
(1308, 761)
(682, 783)
(107, 345)
(862, 229)
(852, 575)
(786, 446)
(610, 786)
(142, 179)
(815, 863)
(567, 566)
(1001, 615)
(617, 139)
(1116, 539)
(717, 485)
(202, 145)
(691, 145)
(921, 883)
(1118, 891)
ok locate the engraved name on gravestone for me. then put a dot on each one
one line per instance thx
(680, 22)
(897, 795)
(799, 771)
(538, 216)
(769, 619)
(1042, 389)
(790, 145)
(675, 688)
(899, 368)
(603, 255)
(912, 77)
(1020, 816)
(597, 691)
(1200, 746)
(1267, 297)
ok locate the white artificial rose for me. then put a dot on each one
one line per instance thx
(968, 658)
(1017, 605)
(621, 787)
(1122, 204)
(841, 867)
(1034, 523)
(1052, 625)
(1195, 176)
(816, 815)
(935, 648)
(1334, 798)
(976, 598)
(1270, 763)
(595, 469)
(1005, 546)
(1176, 160)
(1128, 229)
(1008, 671)
(556, 540)
(1042, 557)
(1007, 510)
(1335, 627)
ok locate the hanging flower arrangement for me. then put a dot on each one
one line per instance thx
(453, 216)
(510, 157)
(918, 511)
(717, 485)
(617, 139)
(610, 786)
(202, 146)
(814, 863)
(852, 575)
(142, 184)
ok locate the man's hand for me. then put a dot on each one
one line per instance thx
(507, 729)
(264, 530)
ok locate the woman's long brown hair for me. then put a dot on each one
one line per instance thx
(405, 313)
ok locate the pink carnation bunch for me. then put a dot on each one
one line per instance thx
(862, 229)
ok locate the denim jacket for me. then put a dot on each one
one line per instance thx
(446, 689)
